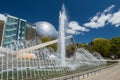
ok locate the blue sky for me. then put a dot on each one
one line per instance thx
(81, 12)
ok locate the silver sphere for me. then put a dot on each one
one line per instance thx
(45, 29)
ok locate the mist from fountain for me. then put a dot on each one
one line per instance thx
(61, 37)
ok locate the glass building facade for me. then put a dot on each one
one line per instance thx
(21, 29)
(12, 29)
(1, 30)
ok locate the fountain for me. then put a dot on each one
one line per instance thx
(23, 60)
(61, 38)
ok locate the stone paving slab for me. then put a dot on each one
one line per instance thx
(112, 73)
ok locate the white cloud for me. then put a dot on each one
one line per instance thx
(75, 28)
(100, 19)
(109, 8)
(70, 31)
(115, 19)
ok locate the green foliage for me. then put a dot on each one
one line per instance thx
(70, 50)
(45, 39)
(101, 45)
(115, 46)
(106, 48)
(82, 45)
(53, 46)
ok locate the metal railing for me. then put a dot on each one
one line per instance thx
(82, 75)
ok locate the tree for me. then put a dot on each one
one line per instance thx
(101, 46)
(82, 45)
(46, 39)
(115, 46)
(70, 50)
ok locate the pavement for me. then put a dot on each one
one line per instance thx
(112, 73)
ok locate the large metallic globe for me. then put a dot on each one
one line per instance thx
(45, 29)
